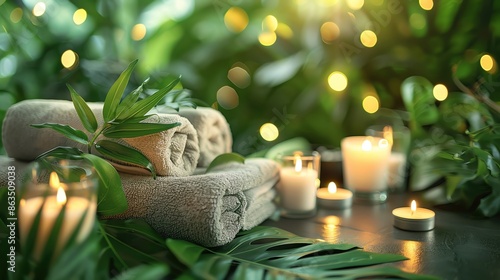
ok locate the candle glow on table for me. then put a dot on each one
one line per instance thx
(334, 198)
(75, 209)
(298, 188)
(413, 218)
(365, 163)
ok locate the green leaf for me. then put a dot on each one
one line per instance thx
(223, 159)
(130, 99)
(281, 254)
(418, 99)
(152, 272)
(143, 106)
(131, 130)
(115, 93)
(62, 152)
(110, 196)
(66, 130)
(82, 109)
(121, 153)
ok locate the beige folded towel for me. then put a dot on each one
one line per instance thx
(173, 152)
(214, 134)
(208, 209)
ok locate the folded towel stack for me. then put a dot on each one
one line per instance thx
(208, 209)
(173, 152)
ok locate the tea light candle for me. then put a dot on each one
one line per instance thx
(76, 209)
(413, 218)
(298, 187)
(334, 198)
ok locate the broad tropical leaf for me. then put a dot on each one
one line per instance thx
(153, 271)
(223, 159)
(66, 130)
(418, 99)
(131, 130)
(110, 196)
(269, 253)
(86, 115)
(121, 153)
(115, 93)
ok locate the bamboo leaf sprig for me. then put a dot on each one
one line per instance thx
(122, 119)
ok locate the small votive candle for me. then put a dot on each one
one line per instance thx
(334, 198)
(413, 218)
(298, 185)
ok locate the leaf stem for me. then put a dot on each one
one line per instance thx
(94, 137)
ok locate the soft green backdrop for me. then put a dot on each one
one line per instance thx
(287, 82)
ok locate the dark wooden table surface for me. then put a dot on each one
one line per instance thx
(460, 246)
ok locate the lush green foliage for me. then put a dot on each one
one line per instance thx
(461, 144)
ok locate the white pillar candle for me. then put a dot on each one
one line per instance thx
(413, 218)
(397, 165)
(334, 198)
(365, 163)
(298, 188)
(76, 209)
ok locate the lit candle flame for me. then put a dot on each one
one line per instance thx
(366, 146)
(61, 196)
(388, 134)
(298, 165)
(332, 187)
(413, 206)
(54, 180)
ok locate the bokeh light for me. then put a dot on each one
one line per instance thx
(239, 77)
(426, 4)
(355, 4)
(267, 38)
(39, 9)
(269, 132)
(284, 31)
(80, 16)
(236, 19)
(138, 32)
(16, 15)
(270, 23)
(440, 92)
(417, 21)
(368, 38)
(69, 59)
(227, 97)
(337, 81)
(487, 62)
(370, 104)
(329, 32)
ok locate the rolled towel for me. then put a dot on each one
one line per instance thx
(214, 134)
(208, 209)
(173, 152)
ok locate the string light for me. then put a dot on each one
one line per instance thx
(355, 4)
(329, 32)
(368, 38)
(426, 4)
(487, 62)
(267, 38)
(39, 9)
(16, 15)
(80, 16)
(69, 59)
(239, 77)
(269, 23)
(227, 97)
(370, 104)
(138, 32)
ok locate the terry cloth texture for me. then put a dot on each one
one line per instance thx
(173, 152)
(208, 209)
(214, 134)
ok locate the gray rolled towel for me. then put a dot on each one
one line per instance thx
(173, 152)
(208, 209)
(214, 134)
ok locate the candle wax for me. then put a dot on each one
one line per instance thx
(420, 220)
(298, 189)
(76, 207)
(340, 199)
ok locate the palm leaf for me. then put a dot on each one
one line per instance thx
(268, 253)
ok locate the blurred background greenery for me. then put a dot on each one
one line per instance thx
(321, 69)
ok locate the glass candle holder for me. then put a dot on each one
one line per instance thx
(299, 181)
(57, 188)
(399, 137)
(365, 166)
